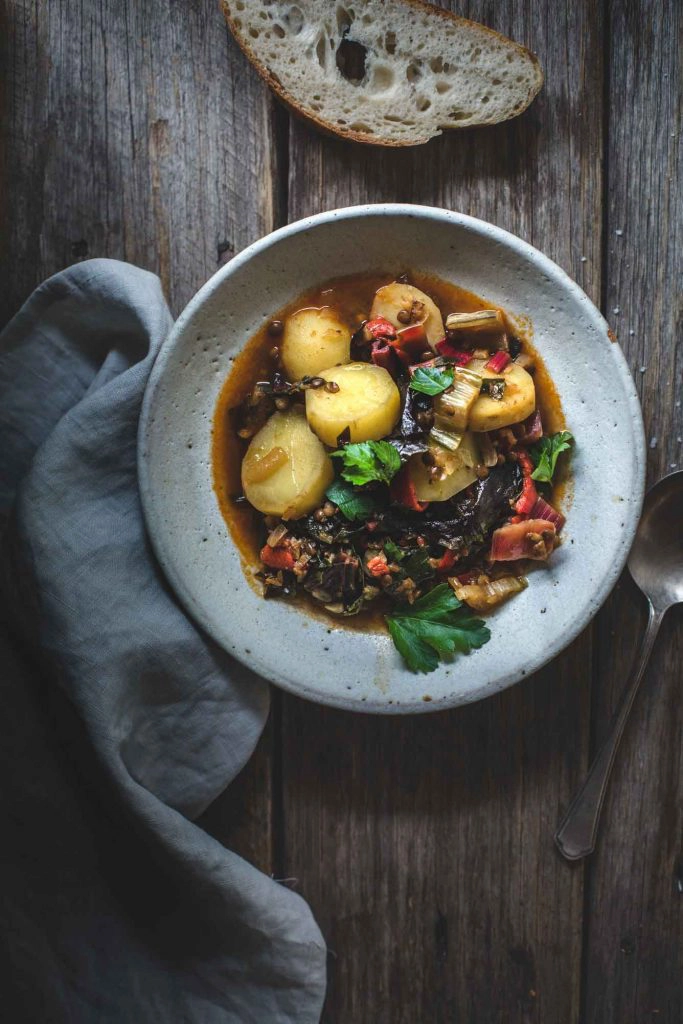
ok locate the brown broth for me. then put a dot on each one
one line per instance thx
(352, 298)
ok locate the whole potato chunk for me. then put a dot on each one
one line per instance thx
(286, 470)
(313, 340)
(395, 298)
(367, 402)
(518, 401)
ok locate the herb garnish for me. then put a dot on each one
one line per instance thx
(393, 551)
(351, 503)
(436, 626)
(431, 380)
(368, 461)
(546, 452)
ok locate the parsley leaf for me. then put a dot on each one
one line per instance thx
(368, 461)
(351, 503)
(436, 626)
(545, 454)
(432, 380)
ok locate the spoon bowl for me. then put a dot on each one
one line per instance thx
(656, 558)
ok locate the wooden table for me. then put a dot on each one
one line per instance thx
(138, 131)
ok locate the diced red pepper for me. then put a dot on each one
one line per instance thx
(377, 566)
(529, 495)
(456, 355)
(413, 339)
(409, 343)
(402, 491)
(532, 430)
(524, 460)
(379, 327)
(447, 561)
(382, 355)
(498, 361)
(277, 558)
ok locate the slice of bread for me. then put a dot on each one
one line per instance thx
(387, 72)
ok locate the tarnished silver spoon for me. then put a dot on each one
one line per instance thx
(656, 564)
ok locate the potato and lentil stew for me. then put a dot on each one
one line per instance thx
(388, 448)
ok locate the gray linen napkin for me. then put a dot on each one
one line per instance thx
(120, 720)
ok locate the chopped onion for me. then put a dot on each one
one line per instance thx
(265, 467)
(480, 320)
(459, 399)
(482, 596)
(276, 535)
(542, 510)
(452, 353)
(444, 437)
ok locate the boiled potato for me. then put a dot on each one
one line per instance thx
(314, 339)
(367, 402)
(458, 476)
(518, 401)
(286, 470)
(392, 298)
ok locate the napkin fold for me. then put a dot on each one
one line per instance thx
(121, 721)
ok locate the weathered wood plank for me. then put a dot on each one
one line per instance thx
(635, 934)
(136, 131)
(425, 845)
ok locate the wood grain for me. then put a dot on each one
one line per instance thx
(134, 131)
(634, 953)
(137, 132)
(425, 846)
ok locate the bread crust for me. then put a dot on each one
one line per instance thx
(345, 133)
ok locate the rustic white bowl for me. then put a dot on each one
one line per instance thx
(334, 665)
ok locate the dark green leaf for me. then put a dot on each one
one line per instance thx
(351, 503)
(431, 380)
(436, 626)
(393, 552)
(368, 461)
(545, 455)
(417, 566)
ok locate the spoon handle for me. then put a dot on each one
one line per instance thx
(578, 829)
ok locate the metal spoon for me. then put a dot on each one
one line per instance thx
(656, 564)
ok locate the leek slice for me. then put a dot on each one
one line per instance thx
(454, 405)
(481, 320)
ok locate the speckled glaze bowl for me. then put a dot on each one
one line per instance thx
(334, 665)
